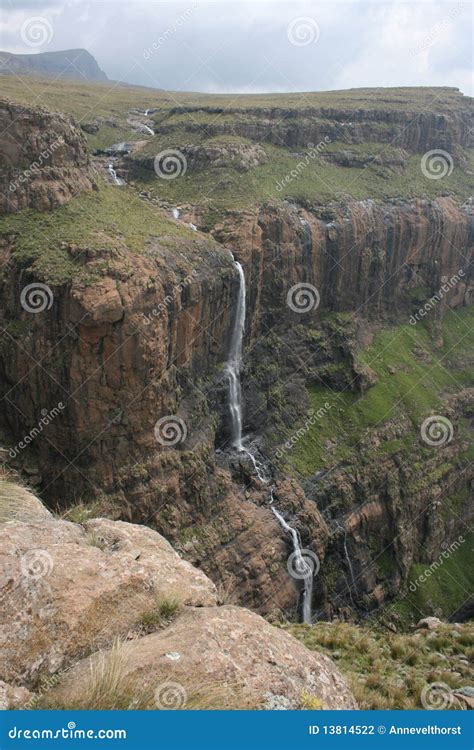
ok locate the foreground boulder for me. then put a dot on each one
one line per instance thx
(209, 657)
(68, 589)
(105, 614)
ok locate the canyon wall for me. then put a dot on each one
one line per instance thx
(142, 337)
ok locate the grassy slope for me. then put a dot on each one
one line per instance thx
(444, 586)
(319, 182)
(104, 219)
(390, 671)
(109, 97)
(414, 388)
(219, 189)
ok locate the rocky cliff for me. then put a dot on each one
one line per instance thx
(43, 158)
(66, 64)
(132, 339)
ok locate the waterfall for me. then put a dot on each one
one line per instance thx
(146, 129)
(302, 569)
(113, 174)
(234, 363)
(176, 213)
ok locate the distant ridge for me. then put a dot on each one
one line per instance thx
(75, 64)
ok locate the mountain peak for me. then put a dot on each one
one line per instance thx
(70, 64)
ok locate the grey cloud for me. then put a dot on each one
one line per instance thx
(228, 46)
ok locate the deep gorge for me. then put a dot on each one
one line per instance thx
(367, 497)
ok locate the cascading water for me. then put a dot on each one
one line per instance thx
(303, 570)
(117, 180)
(234, 363)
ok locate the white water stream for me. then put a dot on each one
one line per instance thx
(234, 363)
(117, 180)
(302, 570)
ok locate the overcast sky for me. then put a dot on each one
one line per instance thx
(223, 46)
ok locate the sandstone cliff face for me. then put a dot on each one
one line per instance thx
(43, 158)
(139, 338)
(416, 131)
(363, 257)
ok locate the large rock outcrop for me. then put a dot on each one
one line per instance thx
(69, 589)
(43, 158)
(228, 647)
